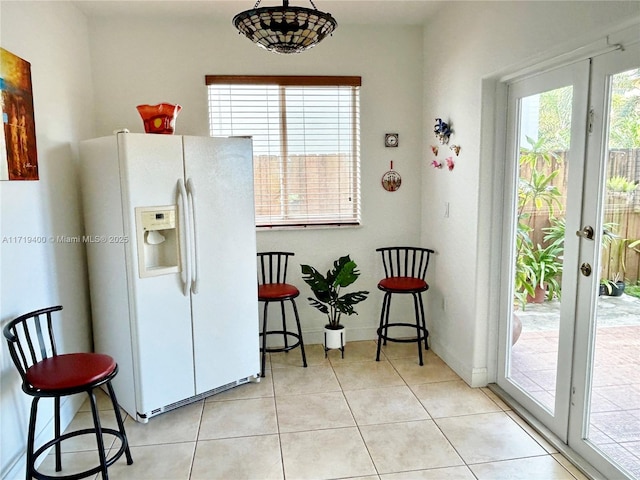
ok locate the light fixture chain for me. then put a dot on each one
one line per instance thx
(256, 5)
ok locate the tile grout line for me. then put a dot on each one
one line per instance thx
(431, 417)
(375, 467)
(275, 407)
(195, 446)
(468, 465)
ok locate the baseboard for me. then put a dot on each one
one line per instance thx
(474, 377)
(68, 409)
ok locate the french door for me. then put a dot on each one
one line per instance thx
(569, 348)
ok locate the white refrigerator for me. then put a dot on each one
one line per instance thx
(171, 248)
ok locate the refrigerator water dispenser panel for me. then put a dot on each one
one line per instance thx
(157, 240)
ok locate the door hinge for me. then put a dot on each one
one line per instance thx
(590, 121)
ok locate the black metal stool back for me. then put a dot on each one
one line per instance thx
(273, 267)
(38, 341)
(273, 287)
(405, 261)
(44, 373)
(405, 270)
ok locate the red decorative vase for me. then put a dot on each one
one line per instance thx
(159, 118)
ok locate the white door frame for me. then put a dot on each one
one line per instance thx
(577, 76)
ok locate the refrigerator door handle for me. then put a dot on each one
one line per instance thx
(185, 241)
(191, 196)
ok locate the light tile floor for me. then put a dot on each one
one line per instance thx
(339, 418)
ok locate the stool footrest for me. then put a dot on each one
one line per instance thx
(281, 349)
(92, 471)
(402, 340)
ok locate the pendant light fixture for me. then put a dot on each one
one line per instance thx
(285, 29)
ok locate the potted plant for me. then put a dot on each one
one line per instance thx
(620, 192)
(615, 285)
(542, 269)
(617, 246)
(327, 290)
(537, 194)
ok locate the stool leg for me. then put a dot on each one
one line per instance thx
(264, 339)
(31, 469)
(382, 315)
(418, 326)
(116, 410)
(295, 314)
(56, 433)
(99, 440)
(424, 322)
(386, 318)
(284, 326)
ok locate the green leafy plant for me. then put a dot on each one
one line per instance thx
(617, 247)
(543, 269)
(539, 148)
(633, 290)
(327, 289)
(555, 232)
(620, 184)
(610, 285)
(555, 235)
(537, 266)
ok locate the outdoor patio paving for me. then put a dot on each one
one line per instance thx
(615, 407)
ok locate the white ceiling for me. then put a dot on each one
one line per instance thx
(395, 12)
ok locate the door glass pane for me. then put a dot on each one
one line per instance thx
(613, 423)
(544, 136)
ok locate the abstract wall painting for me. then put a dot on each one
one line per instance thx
(18, 155)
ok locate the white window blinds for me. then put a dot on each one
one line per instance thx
(306, 141)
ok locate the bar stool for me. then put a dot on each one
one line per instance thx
(405, 269)
(273, 287)
(44, 373)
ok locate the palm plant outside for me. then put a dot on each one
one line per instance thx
(536, 266)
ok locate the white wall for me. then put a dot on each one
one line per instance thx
(139, 61)
(53, 38)
(466, 45)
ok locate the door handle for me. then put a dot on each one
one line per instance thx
(586, 232)
(185, 240)
(191, 197)
(585, 268)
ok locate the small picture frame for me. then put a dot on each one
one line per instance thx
(391, 139)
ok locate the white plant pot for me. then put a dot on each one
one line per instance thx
(334, 338)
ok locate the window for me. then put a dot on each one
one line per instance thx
(306, 144)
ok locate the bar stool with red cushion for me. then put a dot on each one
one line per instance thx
(273, 287)
(44, 373)
(405, 269)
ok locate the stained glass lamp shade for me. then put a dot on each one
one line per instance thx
(285, 29)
